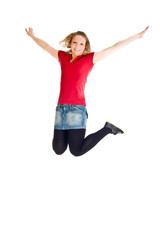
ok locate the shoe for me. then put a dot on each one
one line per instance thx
(115, 130)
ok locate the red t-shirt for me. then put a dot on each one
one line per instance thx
(74, 77)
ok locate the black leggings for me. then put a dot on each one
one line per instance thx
(78, 145)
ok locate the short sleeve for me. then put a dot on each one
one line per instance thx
(89, 57)
(61, 55)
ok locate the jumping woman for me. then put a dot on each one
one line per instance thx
(71, 113)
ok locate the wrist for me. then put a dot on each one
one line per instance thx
(32, 36)
(138, 35)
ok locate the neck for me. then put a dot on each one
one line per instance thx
(73, 57)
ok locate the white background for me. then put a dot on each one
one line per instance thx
(113, 191)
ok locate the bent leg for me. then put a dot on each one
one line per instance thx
(60, 141)
(79, 145)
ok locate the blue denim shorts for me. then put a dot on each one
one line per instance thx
(70, 117)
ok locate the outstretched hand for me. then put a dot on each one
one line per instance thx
(140, 35)
(29, 32)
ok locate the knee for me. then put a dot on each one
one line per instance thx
(75, 153)
(58, 150)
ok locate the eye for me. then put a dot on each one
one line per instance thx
(82, 44)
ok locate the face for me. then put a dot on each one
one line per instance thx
(78, 45)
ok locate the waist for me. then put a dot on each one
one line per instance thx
(71, 106)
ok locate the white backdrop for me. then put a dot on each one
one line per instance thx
(112, 192)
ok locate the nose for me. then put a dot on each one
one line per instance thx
(77, 45)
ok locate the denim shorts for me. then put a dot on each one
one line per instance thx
(70, 117)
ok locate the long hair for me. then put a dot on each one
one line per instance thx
(66, 42)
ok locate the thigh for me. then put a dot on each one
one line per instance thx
(75, 139)
(60, 141)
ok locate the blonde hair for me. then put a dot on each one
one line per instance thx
(68, 40)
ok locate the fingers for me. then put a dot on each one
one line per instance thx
(146, 29)
(26, 31)
(29, 31)
(143, 32)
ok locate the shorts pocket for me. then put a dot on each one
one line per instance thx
(79, 108)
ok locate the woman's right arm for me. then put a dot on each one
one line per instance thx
(42, 43)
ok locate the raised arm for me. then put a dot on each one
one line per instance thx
(42, 43)
(98, 56)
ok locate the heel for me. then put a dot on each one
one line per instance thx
(115, 130)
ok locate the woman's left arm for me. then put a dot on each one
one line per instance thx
(98, 56)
